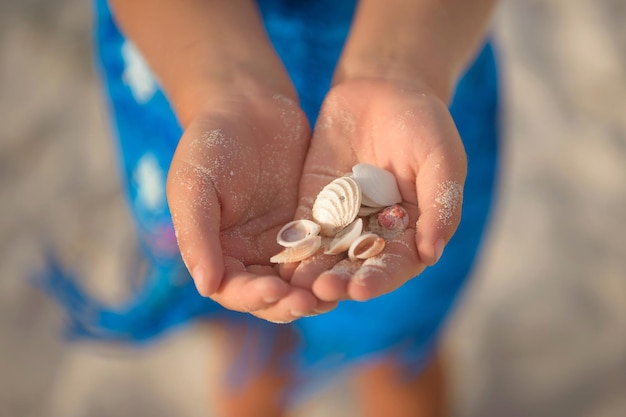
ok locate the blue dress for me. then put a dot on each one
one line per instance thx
(308, 35)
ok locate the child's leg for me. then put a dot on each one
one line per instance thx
(253, 370)
(384, 389)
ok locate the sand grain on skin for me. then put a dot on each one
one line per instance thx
(449, 196)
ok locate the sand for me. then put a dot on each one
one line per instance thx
(541, 330)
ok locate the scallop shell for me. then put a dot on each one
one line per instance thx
(337, 205)
(366, 246)
(390, 222)
(342, 241)
(379, 186)
(303, 250)
(295, 231)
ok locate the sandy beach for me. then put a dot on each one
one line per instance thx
(540, 331)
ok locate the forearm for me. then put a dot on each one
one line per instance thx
(202, 48)
(402, 40)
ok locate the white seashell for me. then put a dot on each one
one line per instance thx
(390, 222)
(365, 211)
(295, 231)
(342, 241)
(366, 246)
(303, 250)
(368, 202)
(379, 186)
(337, 205)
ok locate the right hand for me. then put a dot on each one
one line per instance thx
(232, 184)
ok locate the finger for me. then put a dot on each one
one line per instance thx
(304, 274)
(325, 306)
(196, 216)
(247, 291)
(308, 271)
(332, 285)
(296, 303)
(439, 185)
(267, 297)
(388, 271)
(286, 270)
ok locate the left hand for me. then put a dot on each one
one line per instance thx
(408, 131)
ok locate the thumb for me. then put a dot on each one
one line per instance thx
(440, 196)
(195, 209)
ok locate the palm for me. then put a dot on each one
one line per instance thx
(408, 133)
(232, 184)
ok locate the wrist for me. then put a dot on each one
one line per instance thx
(409, 75)
(232, 78)
(240, 64)
(398, 58)
(424, 43)
(202, 49)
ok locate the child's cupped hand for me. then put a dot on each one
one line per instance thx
(246, 166)
(409, 132)
(232, 184)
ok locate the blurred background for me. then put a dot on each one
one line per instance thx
(541, 330)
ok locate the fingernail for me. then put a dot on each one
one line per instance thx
(271, 299)
(198, 274)
(296, 313)
(439, 246)
(201, 279)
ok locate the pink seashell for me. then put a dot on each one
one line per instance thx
(390, 222)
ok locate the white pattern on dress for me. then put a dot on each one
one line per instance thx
(150, 181)
(137, 74)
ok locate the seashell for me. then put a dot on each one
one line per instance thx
(337, 205)
(342, 241)
(365, 211)
(368, 202)
(366, 246)
(379, 186)
(303, 250)
(390, 222)
(295, 231)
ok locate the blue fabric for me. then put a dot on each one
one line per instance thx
(308, 35)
